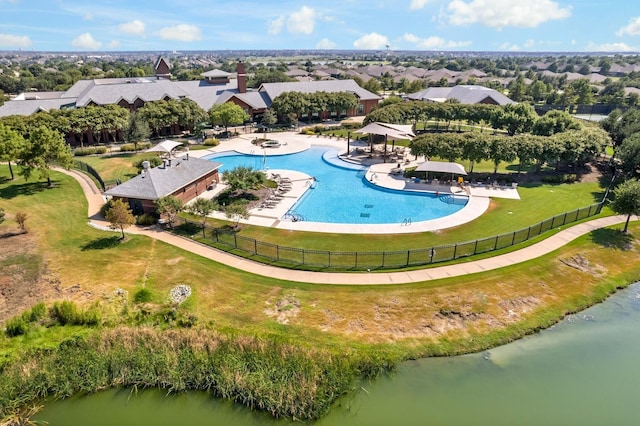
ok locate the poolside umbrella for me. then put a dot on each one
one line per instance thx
(164, 146)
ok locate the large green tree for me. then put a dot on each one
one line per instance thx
(242, 178)
(227, 114)
(11, 142)
(45, 148)
(626, 200)
(137, 129)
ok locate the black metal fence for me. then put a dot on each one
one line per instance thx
(87, 168)
(228, 240)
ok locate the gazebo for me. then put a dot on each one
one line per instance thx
(393, 131)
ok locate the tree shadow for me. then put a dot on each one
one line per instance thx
(612, 238)
(28, 188)
(102, 243)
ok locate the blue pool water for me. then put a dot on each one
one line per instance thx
(342, 194)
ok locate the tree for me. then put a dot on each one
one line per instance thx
(10, 144)
(227, 114)
(44, 148)
(170, 206)
(203, 207)
(242, 178)
(236, 212)
(268, 119)
(627, 200)
(514, 118)
(629, 156)
(120, 216)
(289, 103)
(21, 218)
(137, 130)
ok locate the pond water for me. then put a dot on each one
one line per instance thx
(582, 371)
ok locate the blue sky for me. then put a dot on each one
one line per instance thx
(451, 25)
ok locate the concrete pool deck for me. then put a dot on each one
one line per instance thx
(379, 173)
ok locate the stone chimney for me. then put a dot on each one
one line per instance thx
(242, 78)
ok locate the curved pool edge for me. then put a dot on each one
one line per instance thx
(475, 207)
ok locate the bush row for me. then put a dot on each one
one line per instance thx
(89, 150)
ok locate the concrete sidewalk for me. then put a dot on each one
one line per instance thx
(95, 201)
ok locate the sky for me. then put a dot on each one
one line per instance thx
(433, 25)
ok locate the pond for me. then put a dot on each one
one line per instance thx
(582, 371)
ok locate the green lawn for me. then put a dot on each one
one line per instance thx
(117, 166)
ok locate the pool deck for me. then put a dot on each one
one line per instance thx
(386, 174)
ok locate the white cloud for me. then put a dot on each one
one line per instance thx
(610, 47)
(529, 43)
(88, 16)
(135, 27)
(302, 21)
(325, 44)
(504, 47)
(275, 25)
(10, 40)
(506, 13)
(632, 29)
(113, 44)
(418, 4)
(182, 32)
(371, 41)
(86, 41)
(433, 42)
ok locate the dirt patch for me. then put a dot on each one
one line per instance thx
(582, 264)
(284, 309)
(24, 277)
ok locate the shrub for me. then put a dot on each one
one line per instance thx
(211, 142)
(66, 313)
(36, 313)
(129, 147)
(154, 161)
(564, 178)
(91, 317)
(143, 295)
(105, 208)
(16, 326)
(146, 219)
(90, 150)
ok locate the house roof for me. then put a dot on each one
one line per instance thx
(330, 86)
(466, 94)
(31, 106)
(216, 73)
(111, 90)
(206, 94)
(164, 180)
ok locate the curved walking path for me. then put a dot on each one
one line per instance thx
(95, 201)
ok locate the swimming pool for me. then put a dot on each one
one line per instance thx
(342, 194)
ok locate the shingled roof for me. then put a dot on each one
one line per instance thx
(466, 94)
(329, 86)
(164, 180)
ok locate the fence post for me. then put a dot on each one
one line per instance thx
(513, 238)
(356, 260)
(564, 219)
(495, 244)
(255, 246)
(408, 256)
(475, 248)
(528, 233)
(455, 250)
(235, 240)
(383, 258)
